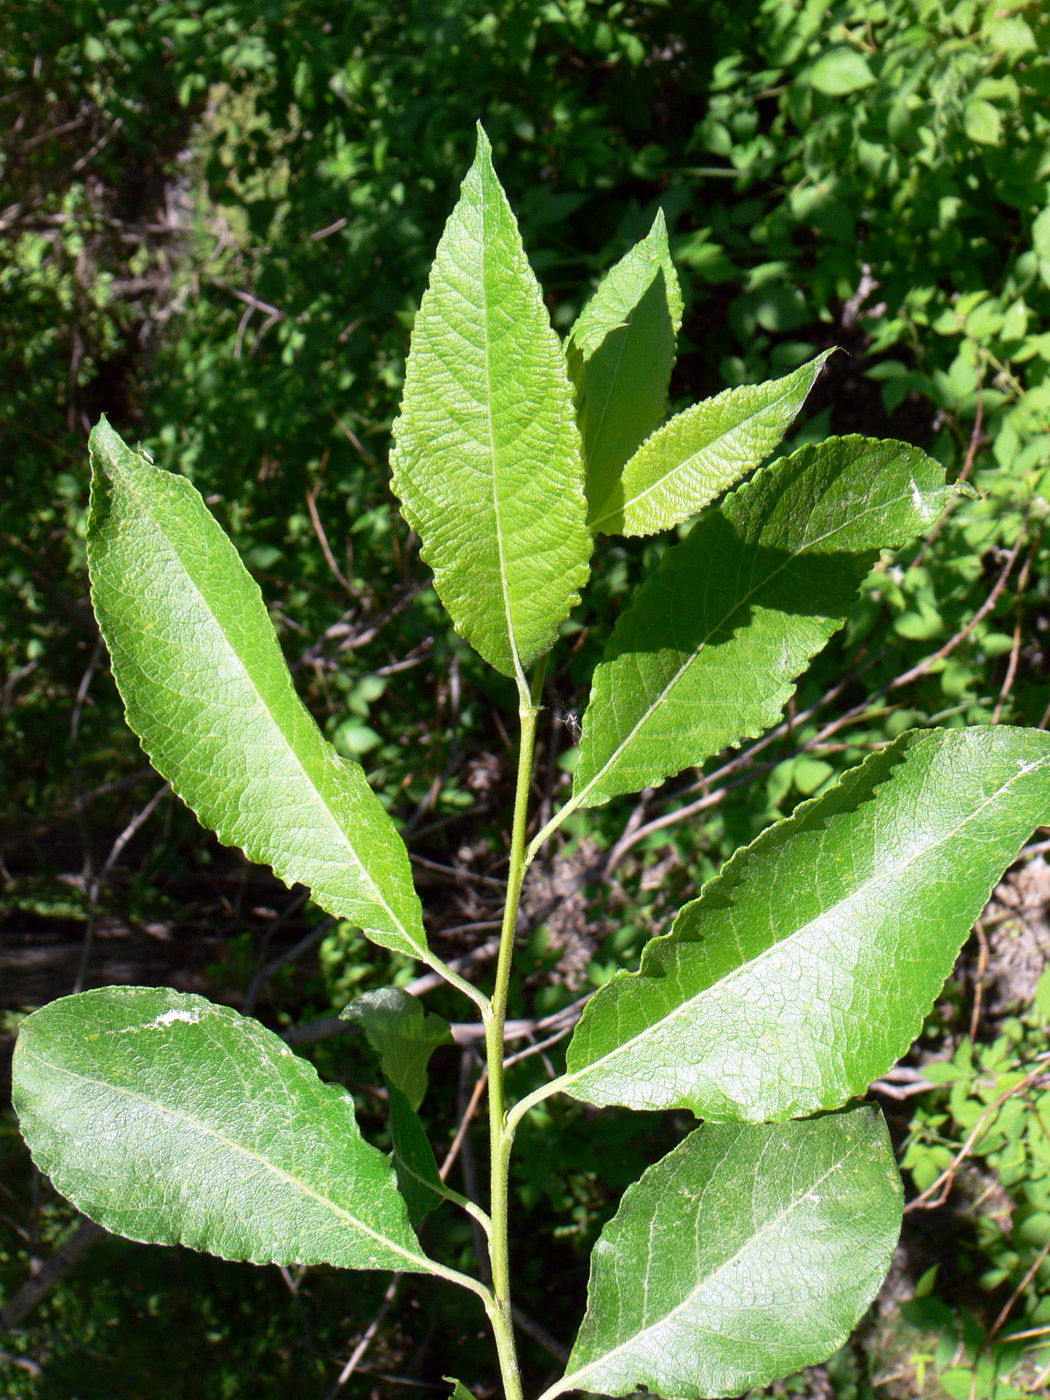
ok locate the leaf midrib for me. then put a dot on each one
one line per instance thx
(737, 605)
(223, 1140)
(708, 1278)
(868, 883)
(274, 721)
(512, 640)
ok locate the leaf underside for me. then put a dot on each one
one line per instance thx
(171, 1120)
(806, 966)
(708, 651)
(700, 453)
(747, 1253)
(487, 460)
(206, 689)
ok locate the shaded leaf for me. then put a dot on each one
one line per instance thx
(402, 1035)
(207, 691)
(700, 453)
(171, 1120)
(806, 966)
(707, 652)
(414, 1161)
(487, 459)
(620, 355)
(747, 1253)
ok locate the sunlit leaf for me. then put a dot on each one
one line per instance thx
(207, 691)
(806, 967)
(171, 1120)
(700, 453)
(841, 71)
(747, 1253)
(487, 459)
(620, 355)
(707, 652)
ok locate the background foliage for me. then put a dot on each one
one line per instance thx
(215, 224)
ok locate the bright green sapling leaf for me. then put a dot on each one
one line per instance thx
(620, 355)
(707, 652)
(805, 968)
(487, 459)
(171, 1120)
(699, 454)
(402, 1034)
(207, 691)
(747, 1253)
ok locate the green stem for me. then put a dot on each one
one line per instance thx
(479, 998)
(552, 826)
(500, 1138)
(518, 1112)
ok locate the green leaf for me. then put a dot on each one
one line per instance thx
(708, 650)
(1041, 234)
(805, 968)
(840, 71)
(207, 691)
(620, 356)
(460, 1391)
(1012, 35)
(171, 1120)
(402, 1035)
(487, 459)
(417, 1170)
(983, 122)
(700, 453)
(747, 1253)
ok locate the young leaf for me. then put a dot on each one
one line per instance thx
(747, 1253)
(460, 1391)
(206, 690)
(487, 458)
(417, 1170)
(620, 355)
(806, 967)
(707, 652)
(171, 1120)
(402, 1035)
(698, 454)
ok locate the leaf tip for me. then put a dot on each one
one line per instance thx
(103, 440)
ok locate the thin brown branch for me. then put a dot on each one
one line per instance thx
(1029, 1275)
(96, 885)
(322, 538)
(978, 991)
(1015, 645)
(943, 1183)
(464, 1124)
(35, 1289)
(367, 1337)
